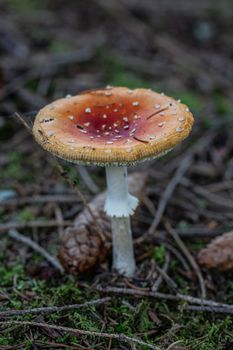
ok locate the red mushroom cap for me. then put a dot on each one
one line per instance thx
(112, 126)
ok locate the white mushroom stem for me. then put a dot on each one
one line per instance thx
(119, 206)
(119, 202)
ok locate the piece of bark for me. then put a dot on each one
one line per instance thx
(218, 254)
(81, 245)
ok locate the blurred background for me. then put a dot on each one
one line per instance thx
(49, 49)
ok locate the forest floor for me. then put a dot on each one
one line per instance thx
(49, 50)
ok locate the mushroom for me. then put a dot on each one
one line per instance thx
(114, 127)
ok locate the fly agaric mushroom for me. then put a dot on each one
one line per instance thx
(114, 127)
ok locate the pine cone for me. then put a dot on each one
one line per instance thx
(218, 254)
(82, 247)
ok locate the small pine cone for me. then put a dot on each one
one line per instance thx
(80, 250)
(218, 254)
(82, 247)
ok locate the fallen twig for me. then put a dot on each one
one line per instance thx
(212, 309)
(176, 253)
(164, 269)
(216, 199)
(59, 217)
(35, 246)
(121, 337)
(38, 199)
(49, 309)
(72, 184)
(183, 167)
(56, 345)
(158, 295)
(87, 179)
(188, 256)
(169, 281)
(31, 224)
(181, 170)
(25, 124)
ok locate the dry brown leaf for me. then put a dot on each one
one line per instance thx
(81, 246)
(218, 254)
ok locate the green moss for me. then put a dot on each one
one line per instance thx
(193, 330)
(67, 291)
(57, 46)
(196, 246)
(85, 322)
(2, 213)
(15, 168)
(192, 100)
(183, 224)
(142, 316)
(124, 78)
(201, 333)
(8, 273)
(222, 104)
(24, 6)
(25, 214)
(72, 174)
(5, 339)
(158, 254)
(116, 74)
